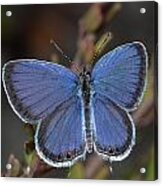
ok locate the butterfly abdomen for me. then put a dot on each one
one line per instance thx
(89, 140)
(88, 130)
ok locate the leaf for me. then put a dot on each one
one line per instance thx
(101, 45)
(151, 167)
(77, 172)
(103, 173)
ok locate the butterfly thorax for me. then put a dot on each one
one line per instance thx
(85, 86)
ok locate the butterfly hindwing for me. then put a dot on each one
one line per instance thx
(120, 75)
(60, 139)
(35, 87)
(114, 131)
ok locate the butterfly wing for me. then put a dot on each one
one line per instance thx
(48, 94)
(113, 129)
(35, 87)
(60, 138)
(117, 83)
(120, 75)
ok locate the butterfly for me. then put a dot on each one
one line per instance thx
(79, 114)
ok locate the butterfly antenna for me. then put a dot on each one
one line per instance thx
(60, 50)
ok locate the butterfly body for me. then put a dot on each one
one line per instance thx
(85, 78)
(79, 114)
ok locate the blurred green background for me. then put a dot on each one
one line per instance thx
(26, 34)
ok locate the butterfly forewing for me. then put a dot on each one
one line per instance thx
(35, 87)
(120, 75)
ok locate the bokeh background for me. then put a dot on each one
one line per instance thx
(26, 34)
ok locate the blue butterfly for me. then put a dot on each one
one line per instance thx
(79, 114)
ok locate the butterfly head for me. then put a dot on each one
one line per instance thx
(85, 76)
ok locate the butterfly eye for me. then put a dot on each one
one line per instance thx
(88, 74)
